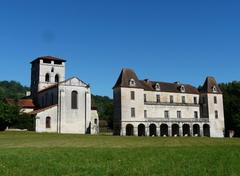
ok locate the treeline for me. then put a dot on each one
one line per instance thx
(12, 89)
(231, 99)
(104, 104)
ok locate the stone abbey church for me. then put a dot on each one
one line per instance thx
(154, 108)
(59, 105)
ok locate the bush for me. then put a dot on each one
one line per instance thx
(24, 121)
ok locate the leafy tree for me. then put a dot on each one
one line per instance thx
(231, 99)
(105, 108)
(8, 115)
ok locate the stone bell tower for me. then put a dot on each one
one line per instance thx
(46, 71)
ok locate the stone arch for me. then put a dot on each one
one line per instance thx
(129, 130)
(141, 130)
(56, 78)
(206, 130)
(186, 130)
(74, 100)
(175, 129)
(152, 130)
(47, 77)
(164, 130)
(196, 130)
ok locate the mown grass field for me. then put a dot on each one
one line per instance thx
(51, 154)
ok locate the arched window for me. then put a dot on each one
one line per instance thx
(74, 99)
(47, 78)
(57, 78)
(48, 122)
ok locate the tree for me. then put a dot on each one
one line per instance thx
(231, 100)
(8, 115)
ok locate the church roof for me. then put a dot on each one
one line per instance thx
(57, 84)
(42, 109)
(50, 58)
(210, 86)
(128, 74)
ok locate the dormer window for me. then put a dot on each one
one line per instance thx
(157, 87)
(214, 89)
(182, 88)
(132, 82)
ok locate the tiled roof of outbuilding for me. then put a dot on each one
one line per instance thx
(24, 103)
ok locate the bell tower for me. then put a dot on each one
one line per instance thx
(46, 71)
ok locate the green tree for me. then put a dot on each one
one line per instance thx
(8, 115)
(231, 99)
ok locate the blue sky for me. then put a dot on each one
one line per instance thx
(161, 40)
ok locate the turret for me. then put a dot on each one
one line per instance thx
(212, 106)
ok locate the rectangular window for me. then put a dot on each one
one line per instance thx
(179, 114)
(145, 98)
(132, 112)
(145, 113)
(158, 98)
(132, 95)
(195, 100)
(215, 100)
(183, 100)
(216, 114)
(195, 114)
(166, 114)
(171, 99)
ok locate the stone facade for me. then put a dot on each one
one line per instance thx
(147, 108)
(64, 106)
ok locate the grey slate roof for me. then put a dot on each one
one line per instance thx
(209, 84)
(127, 74)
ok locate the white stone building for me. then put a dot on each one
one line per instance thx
(147, 108)
(62, 106)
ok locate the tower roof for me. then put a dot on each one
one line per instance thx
(210, 86)
(49, 58)
(124, 78)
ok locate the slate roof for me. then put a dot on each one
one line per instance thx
(209, 84)
(148, 85)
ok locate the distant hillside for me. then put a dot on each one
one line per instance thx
(12, 89)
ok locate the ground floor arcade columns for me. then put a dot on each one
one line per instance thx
(158, 130)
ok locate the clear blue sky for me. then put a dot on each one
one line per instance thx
(162, 40)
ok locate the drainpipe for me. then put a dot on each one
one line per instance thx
(86, 105)
(60, 111)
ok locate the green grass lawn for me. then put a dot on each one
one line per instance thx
(51, 154)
